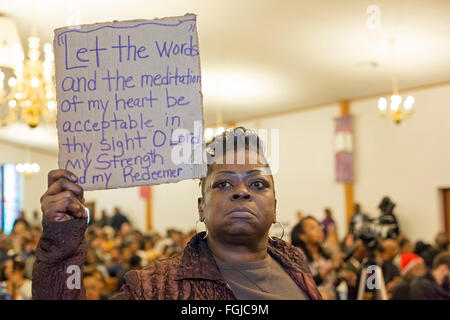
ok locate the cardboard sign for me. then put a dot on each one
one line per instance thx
(129, 102)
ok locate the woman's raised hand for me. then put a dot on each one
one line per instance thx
(63, 199)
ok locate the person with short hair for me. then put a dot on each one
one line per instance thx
(434, 285)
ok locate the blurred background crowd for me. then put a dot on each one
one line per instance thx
(410, 270)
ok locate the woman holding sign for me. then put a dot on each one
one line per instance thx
(234, 259)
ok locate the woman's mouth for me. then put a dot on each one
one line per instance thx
(241, 213)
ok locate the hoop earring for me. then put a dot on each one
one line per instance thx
(282, 234)
(197, 233)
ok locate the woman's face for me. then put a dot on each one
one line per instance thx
(239, 201)
(313, 232)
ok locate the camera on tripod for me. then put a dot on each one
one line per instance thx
(369, 230)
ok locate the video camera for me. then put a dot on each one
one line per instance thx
(369, 230)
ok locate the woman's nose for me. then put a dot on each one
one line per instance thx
(241, 193)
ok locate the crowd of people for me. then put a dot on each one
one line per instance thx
(410, 271)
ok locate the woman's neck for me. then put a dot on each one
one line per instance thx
(313, 249)
(236, 252)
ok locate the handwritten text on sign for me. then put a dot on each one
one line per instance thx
(128, 96)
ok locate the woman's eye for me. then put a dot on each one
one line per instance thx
(259, 184)
(223, 184)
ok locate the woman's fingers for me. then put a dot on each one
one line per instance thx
(62, 185)
(62, 206)
(54, 175)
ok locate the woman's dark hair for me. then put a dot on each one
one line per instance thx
(241, 137)
(442, 258)
(298, 230)
(18, 265)
(420, 247)
(403, 242)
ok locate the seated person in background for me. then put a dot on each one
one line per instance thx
(358, 218)
(134, 264)
(348, 244)
(18, 287)
(323, 266)
(331, 242)
(435, 284)
(432, 251)
(233, 259)
(92, 286)
(353, 264)
(115, 266)
(406, 246)
(328, 222)
(388, 252)
(411, 267)
(118, 219)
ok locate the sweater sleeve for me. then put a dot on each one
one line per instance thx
(60, 255)
(131, 288)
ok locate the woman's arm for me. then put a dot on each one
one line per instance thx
(61, 251)
(60, 255)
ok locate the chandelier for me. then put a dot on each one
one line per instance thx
(28, 169)
(31, 94)
(396, 110)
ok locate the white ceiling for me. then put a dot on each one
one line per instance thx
(268, 56)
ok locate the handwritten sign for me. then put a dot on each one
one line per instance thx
(129, 102)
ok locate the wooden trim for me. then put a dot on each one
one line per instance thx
(344, 107)
(446, 203)
(349, 202)
(148, 209)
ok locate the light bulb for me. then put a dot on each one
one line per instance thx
(33, 42)
(382, 103)
(34, 56)
(35, 167)
(12, 82)
(219, 130)
(208, 133)
(409, 102)
(12, 103)
(27, 167)
(19, 167)
(34, 82)
(47, 48)
(396, 99)
(51, 105)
